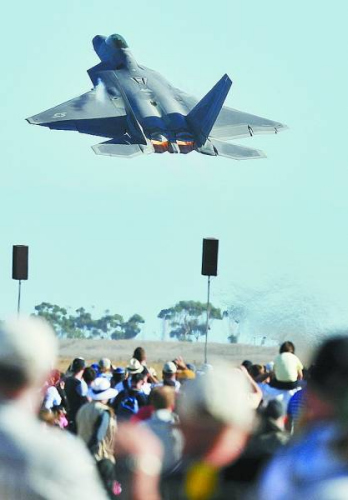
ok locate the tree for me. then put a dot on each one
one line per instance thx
(129, 329)
(187, 319)
(82, 325)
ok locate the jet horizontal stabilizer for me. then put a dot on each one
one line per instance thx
(111, 148)
(235, 151)
(203, 116)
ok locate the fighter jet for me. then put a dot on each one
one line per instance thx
(141, 113)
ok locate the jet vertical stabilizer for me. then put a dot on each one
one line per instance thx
(203, 116)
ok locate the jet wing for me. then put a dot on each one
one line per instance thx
(233, 123)
(93, 105)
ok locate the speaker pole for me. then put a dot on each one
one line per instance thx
(19, 297)
(207, 324)
(20, 255)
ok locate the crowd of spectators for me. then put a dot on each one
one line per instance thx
(273, 431)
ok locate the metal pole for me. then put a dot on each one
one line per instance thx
(207, 325)
(19, 298)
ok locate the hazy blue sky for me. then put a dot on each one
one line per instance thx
(126, 235)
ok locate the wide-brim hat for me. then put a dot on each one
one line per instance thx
(134, 366)
(100, 389)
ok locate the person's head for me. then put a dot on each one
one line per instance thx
(54, 377)
(77, 366)
(134, 366)
(275, 412)
(247, 364)
(89, 375)
(328, 379)
(192, 367)
(287, 346)
(137, 381)
(216, 406)
(169, 371)
(139, 354)
(256, 370)
(28, 350)
(118, 375)
(104, 365)
(101, 390)
(163, 398)
(258, 373)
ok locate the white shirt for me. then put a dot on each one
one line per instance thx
(37, 464)
(52, 398)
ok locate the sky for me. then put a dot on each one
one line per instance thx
(126, 235)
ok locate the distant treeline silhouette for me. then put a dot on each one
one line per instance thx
(185, 321)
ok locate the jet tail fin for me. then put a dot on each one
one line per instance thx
(203, 116)
(121, 149)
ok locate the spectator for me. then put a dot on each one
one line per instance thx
(287, 372)
(287, 368)
(129, 400)
(295, 409)
(105, 368)
(217, 407)
(163, 423)
(184, 372)
(247, 364)
(315, 465)
(133, 367)
(140, 355)
(96, 425)
(76, 391)
(52, 396)
(259, 374)
(89, 375)
(118, 375)
(240, 477)
(169, 376)
(36, 465)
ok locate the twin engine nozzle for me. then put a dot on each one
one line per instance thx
(183, 143)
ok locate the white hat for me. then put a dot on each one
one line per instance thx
(100, 389)
(134, 366)
(221, 396)
(30, 345)
(169, 367)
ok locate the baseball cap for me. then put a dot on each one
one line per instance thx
(29, 345)
(119, 370)
(169, 367)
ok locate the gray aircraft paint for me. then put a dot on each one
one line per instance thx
(141, 112)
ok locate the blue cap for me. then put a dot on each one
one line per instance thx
(119, 370)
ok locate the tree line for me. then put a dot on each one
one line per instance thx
(185, 321)
(81, 325)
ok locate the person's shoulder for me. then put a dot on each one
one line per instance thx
(66, 467)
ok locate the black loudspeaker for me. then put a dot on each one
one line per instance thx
(20, 262)
(210, 256)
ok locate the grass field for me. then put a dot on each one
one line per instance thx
(159, 352)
